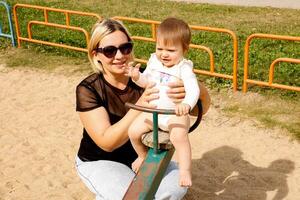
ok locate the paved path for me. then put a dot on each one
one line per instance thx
(294, 4)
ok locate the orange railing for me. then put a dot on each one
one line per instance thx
(46, 22)
(154, 24)
(269, 83)
(211, 72)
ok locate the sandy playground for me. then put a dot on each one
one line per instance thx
(233, 159)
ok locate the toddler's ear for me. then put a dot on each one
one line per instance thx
(185, 51)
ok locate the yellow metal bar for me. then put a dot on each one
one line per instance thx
(272, 66)
(205, 72)
(235, 49)
(271, 70)
(57, 10)
(210, 53)
(273, 85)
(246, 61)
(285, 87)
(271, 73)
(54, 44)
(46, 15)
(256, 82)
(140, 60)
(274, 37)
(154, 31)
(145, 21)
(142, 38)
(67, 18)
(45, 10)
(17, 25)
(30, 23)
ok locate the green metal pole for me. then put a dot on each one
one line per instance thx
(155, 132)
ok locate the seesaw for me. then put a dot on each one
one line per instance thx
(161, 150)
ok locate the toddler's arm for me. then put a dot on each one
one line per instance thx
(190, 82)
(133, 71)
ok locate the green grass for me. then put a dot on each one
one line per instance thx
(32, 59)
(271, 110)
(242, 20)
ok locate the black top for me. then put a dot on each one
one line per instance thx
(93, 92)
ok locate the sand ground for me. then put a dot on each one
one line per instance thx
(233, 158)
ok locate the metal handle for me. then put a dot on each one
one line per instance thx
(168, 112)
(150, 110)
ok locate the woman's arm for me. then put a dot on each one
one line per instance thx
(110, 137)
(107, 136)
(204, 97)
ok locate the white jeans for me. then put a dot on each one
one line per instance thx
(109, 180)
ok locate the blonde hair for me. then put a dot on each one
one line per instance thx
(101, 29)
(173, 31)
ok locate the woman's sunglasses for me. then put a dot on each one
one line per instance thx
(111, 51)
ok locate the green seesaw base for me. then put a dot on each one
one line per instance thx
(147, 180)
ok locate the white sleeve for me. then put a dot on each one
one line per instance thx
(143, 79)
(192, 90)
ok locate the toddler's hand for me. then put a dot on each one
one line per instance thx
(182, 109)
(133, 71)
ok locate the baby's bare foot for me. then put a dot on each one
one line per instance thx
(185, 179)
(137, 164)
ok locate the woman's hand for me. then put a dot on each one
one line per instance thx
(150, 93)
(176, 91)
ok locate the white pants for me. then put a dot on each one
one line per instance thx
(109, 180)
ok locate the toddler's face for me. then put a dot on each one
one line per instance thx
(169, 54)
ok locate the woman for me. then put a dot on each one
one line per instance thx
(105, 153)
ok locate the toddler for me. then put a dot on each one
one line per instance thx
(166, 65)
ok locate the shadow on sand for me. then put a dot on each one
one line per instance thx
(222, 174)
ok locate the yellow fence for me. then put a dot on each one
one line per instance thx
(269, 83)
(153, 24)
(46, 22)
(211, 72)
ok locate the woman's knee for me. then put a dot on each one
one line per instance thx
(117, 176)
(169, 187)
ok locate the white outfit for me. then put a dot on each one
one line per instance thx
(161, 75)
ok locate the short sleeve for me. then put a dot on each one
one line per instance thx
(87, 98)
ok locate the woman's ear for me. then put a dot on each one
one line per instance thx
(94, 53)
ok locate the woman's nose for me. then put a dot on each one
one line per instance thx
(119, 54)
